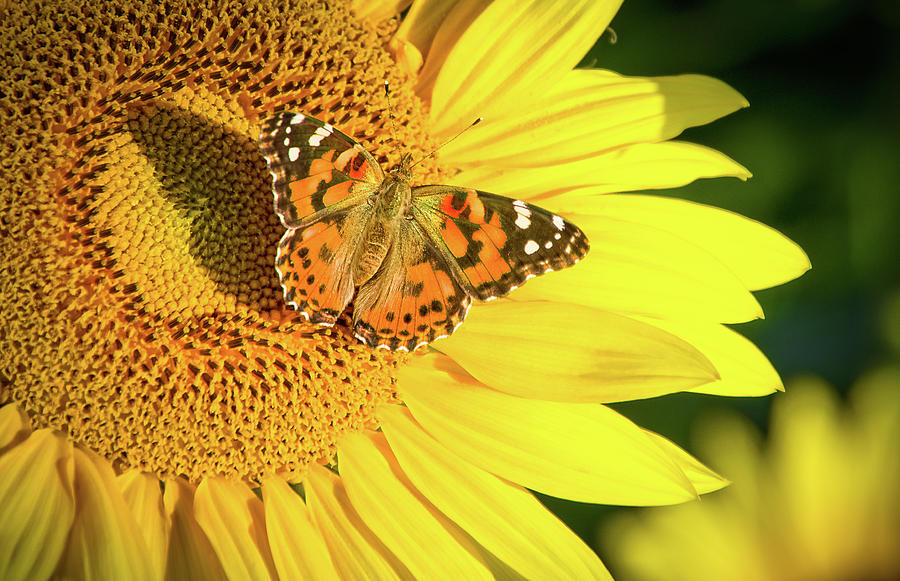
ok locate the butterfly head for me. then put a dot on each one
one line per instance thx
(403, 171)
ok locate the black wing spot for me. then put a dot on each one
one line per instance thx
(407, 318)
(389, 317)
(436, 306)
(310, 279)
(423, 310)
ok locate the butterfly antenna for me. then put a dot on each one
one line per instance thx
(436, 149)
(387, 93)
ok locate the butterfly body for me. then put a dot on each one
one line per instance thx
(411, 258)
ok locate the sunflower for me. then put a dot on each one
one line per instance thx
(166, 416)
(808, 502)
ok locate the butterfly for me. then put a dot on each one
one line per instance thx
(411, 258)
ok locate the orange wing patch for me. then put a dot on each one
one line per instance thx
(413, 300)
(313, 266)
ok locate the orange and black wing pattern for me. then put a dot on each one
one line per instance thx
(414, 298)
(316, 169)
(495, 243)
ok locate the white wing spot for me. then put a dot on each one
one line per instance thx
(522, 221)
(531, 246)
(298, 118)
(287, 141)
(548, 245)
(558, 222)
(315, 139)
(557, 236)
(287, 129)
(294, 153)
(328, 127)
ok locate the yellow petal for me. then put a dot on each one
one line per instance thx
(143, 496)
(191, 555)
(569, 352)
(37, 504)
(377, 11)
(512, 49)
(297, 547)
(703, 479)
(591, 111)
(584, 452)
(413, 532)
(233, 519)
(637, 269)
(744, 370)
(356, 551)
(760, 256)
(504, 518)
(14, 425)
(105, 542)
(642, 166)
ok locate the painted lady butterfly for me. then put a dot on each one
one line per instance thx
(413, 257)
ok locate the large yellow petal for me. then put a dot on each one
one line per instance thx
(233, 519)
(642, 166)
(760, 256)
(14, 425)
(584, 452)
(504, 518)
(105, 541)
(744, 370)
(357, 552)
(191, 555)
(143, 496)
(637, 269)
(377, 11)
(297, 547)
(439, 23)
(512, 50)
(567, 352)
(398, 515)
(37, 504)
(592, 111)
(703, 478)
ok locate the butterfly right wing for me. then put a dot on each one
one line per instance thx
(316, 169)
(321, 181)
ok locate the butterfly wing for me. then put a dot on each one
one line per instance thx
(321, 179)
(493, 243)
(413, 299)
(316, 169)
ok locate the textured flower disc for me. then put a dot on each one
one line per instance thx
(140, 309)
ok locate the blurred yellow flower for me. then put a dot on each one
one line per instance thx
(817, 500)
(159, 397)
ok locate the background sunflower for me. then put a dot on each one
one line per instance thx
(821, 139)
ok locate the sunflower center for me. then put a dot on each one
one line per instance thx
(141, 312)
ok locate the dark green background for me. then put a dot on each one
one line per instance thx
(822, 138)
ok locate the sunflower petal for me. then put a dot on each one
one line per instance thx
(233, 519)
(642, 166)
(761, 257)
(297, 548)
(105, 542)
(143, 496)
(379, 11)
(566, 352)
(645, 270)
(703, 479)
(591, 111)
(14, 424)
(191, 555)
(512, 48)
(551, 447)
(37, 504)
(504, 518)
(744, 370)
(398, 515)
(356, 551)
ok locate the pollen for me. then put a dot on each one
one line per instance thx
(141, 312)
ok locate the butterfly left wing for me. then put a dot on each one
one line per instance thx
(493, 243)
(316, 169)
(413, 299)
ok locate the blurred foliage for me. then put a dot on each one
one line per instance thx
(822, 137)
